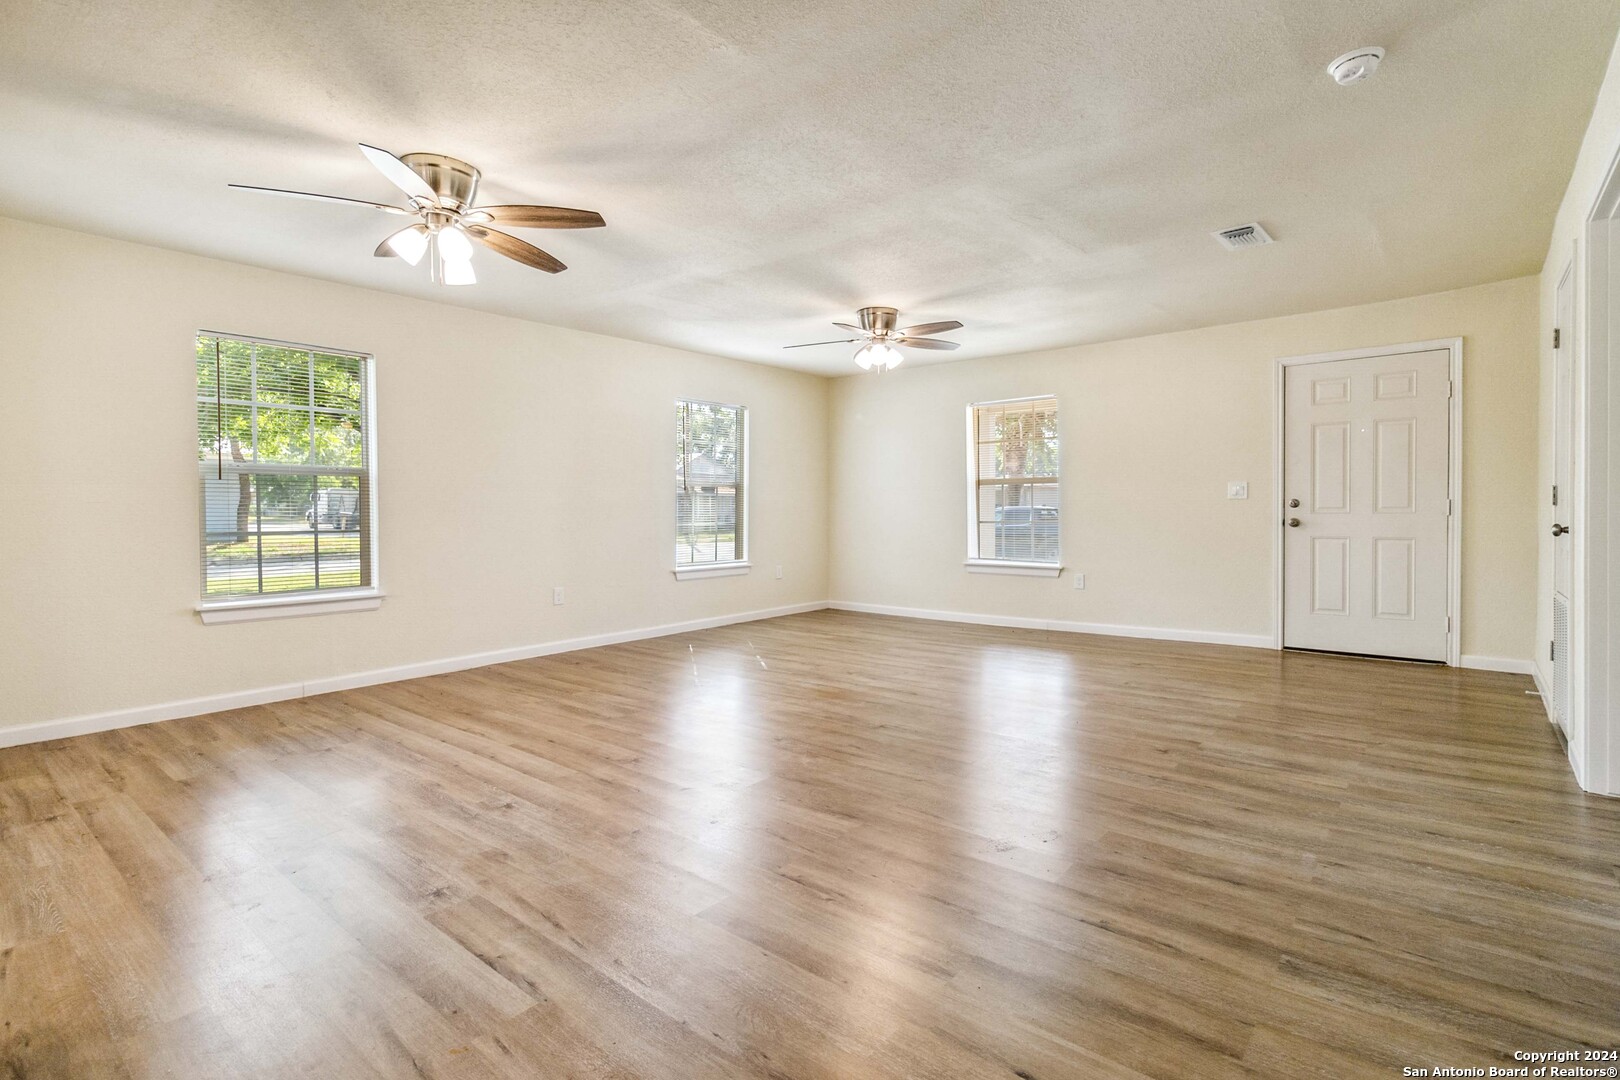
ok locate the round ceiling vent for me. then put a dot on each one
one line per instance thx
(1355, 66)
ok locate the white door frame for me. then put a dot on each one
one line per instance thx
(1574, 712)
(1595, 556)
(1453, 481)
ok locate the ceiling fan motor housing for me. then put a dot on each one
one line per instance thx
(878, 320)
(453, 180)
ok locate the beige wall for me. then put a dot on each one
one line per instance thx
(1152, 430)
(485, 422)
(1598, 151)
(491, 453)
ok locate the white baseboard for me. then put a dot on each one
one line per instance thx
(1541, 689)
(45, 730)
(528, 652)
(1156, 633)
(1500, 663)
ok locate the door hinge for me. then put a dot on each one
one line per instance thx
(1556, 337)
(1555, 494)
(1552, 651)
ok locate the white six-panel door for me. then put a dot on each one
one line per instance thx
(1366, 445)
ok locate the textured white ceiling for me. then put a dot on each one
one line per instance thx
(1048, 173)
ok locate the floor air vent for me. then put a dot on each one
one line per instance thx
(1243, 236)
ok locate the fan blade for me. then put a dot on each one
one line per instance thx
(849, 326)
(400, 175)
(322, 198)
(520, 250)
(808, 344)
(924, 329)
(926, 343)
(541, 217)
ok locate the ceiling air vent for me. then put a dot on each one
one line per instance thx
(1243, 236)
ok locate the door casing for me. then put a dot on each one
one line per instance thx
(1594, 749)
(1453, 480)
(1566, 507)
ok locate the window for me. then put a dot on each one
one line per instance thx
(1013, 473)
(285, 465)
(710, 476)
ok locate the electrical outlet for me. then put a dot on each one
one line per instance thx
(1079, 581)
(1237, 489)
(778, 571)
(557, 595)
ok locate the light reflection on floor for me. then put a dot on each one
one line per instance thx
(717, 750)
(1022, 758)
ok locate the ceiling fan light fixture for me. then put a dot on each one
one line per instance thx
(454, 247)
(410, 244)
(458, 272)
(877, 354)
(885, 356)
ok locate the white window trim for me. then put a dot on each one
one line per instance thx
(724, 569)
(292, 605)
(1007, 566)
(974, 563)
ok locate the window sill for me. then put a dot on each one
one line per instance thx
(287, 607)
(1005, 566)
(725, 569)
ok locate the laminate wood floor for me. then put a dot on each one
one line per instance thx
(830, 845)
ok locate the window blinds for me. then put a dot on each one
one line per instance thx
(284, 467)
(1015, 480)
(710, 477)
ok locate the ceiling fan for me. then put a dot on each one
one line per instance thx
(441, 191)
(880, 338)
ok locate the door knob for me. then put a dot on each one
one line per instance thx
(1293, 504)
(1293, 523)
(1560, 530)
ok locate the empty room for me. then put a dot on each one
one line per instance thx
(701, 539)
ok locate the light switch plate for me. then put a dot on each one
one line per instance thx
(778, 571)
(1079, 581)
(1237, 489)
(557, 595)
